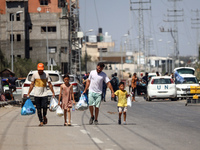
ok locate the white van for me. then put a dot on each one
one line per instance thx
(189, 80)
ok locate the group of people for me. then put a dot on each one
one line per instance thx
(94, 86)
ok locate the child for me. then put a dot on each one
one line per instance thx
(66, 92)
(122, 101)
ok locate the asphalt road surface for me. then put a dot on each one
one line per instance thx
(156, 125)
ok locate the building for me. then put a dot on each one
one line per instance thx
(35, 25)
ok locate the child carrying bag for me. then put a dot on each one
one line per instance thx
(28, 108)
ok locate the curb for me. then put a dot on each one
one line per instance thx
(9, 102)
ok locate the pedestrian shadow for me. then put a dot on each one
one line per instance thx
(110, 124)
(45, 126)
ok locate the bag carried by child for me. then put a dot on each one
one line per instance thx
(82, 103)
(129, 103)
(28, 108)
(59, 111)
(53, 104)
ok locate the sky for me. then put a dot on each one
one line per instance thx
(115, 17)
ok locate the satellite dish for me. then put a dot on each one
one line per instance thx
(39, 9)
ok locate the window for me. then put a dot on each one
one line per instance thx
(52, 49)
(11, 17)
(61, 3)
(50, 29)
(30, 48)
(18, 37)
(44, 2)
(18, 56)
(63, 50)
(12, 36)
(18, 17)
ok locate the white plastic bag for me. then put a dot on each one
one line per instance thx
(59, 111)
(129, 103)
(53, 104)
(82, 104)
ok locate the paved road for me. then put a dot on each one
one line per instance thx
(156, 125)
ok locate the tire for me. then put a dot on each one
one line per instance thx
(174, 99)
(148, 98)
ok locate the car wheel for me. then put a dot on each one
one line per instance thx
(174, 99)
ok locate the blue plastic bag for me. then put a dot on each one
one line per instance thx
(28, 108)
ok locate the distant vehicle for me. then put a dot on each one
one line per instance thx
(141, 87)
(182, 88)
(153, 74)
(185, 70)
(189, 80)
(56, 81)
(18, 84)
(77, 86)
(161, 87)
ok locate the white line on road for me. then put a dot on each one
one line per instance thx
(84, 132)
(96, 140)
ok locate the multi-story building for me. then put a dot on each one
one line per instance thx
(35, 25)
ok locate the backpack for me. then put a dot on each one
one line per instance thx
(114, 81)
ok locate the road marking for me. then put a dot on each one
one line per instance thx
(84, 132)
(75, 125)
(96, 140)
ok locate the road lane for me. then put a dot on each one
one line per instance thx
(157, 125)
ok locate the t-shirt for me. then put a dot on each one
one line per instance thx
(122, 100)
(96, 81)
(40, 81)
(12, 80)
(129, 81)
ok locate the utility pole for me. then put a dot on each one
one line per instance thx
(196, 25)
(140, 10)
(74, 61)
(175, 14)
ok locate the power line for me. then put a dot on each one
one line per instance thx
(140, 10)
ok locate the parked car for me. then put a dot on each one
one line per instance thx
(161, 87)
(182, 88)
(77, 86)
(141, 87)
(18, 84)
(56, 80)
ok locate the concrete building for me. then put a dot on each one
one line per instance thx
(41, 23)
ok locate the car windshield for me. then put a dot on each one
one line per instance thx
(53, 77)
(191, 80)
(71, 79)
(162, 81)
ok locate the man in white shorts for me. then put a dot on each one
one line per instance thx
(95, 84)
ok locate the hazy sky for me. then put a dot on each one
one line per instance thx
(115, 17)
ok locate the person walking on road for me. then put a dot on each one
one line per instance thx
(95, 84)
(134, 86)
(66, 92)
(115, 84)
(129, 83)
(122, 102)
(39, 80)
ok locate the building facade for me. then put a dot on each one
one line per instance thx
(35, 25)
